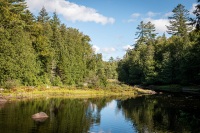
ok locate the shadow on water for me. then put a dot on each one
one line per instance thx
(155, 113)
(163, 113)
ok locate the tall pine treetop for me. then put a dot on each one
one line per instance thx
(43, 15)
(179, 21)
(145, 33)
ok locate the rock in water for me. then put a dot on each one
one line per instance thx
(41, 116)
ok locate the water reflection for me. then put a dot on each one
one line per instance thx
(65, 115)
(112, 121)
(156, 113)
(161, 113)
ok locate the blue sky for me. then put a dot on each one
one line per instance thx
(111, 24)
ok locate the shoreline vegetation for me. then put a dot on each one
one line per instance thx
(175, 88)
(28, 92)
(114, 88)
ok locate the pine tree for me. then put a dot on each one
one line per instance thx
(146, 33)
(196, 21)
(179, 22)
(141, 33)
(42, 34)
(18, 60)
(43, 16)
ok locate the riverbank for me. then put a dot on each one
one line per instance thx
(69, 92)
(192, 89)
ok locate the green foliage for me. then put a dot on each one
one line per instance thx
(146, 33)
(111, 69)
(40, 50)
(43, 16)
(138, 65)
(17, 55)
(11, 84)
(57, 81)
(178, 22)
(173, 60)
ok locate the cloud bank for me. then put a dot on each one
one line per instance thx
(152, 14)
(134, 17)
(70, 11)
(108, 50)
(160, 24)
(105, 50)
(127, 47)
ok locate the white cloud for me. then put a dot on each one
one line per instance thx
(127, 47)
(70, 11)
(160, 24)
(152, 14)
(95, 48)
(108, 50)
(168, 14)
(134, 17)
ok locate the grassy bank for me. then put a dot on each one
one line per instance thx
(174, 88)
(46, 91)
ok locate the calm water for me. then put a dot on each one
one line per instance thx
(145, 114)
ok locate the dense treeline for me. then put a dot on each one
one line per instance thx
(162, 60)
(41, 50)
(37, 50)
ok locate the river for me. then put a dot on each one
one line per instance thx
(164, 113)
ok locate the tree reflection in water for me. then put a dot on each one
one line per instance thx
(161, 114)
(66, 115)
(155, 113)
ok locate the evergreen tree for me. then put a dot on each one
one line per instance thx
(141, 33)
(193, 61)
(179, 21)
(29, 19)
(42, 34)
(134, 66)
(196, 21)
(56, 45)
(179, 28)
(146, 33)
(44, 51)
(43, 16)
(122, 71)
(111, 68)
(16, 53)
(172, 60)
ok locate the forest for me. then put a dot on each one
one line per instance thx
(159, 60)
(37, 50)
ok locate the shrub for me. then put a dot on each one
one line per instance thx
(11, 84)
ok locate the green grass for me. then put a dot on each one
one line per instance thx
(112, 89)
